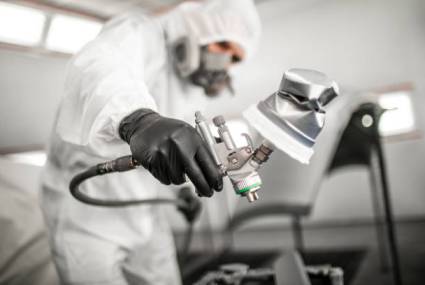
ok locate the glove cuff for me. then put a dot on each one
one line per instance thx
(132, 122)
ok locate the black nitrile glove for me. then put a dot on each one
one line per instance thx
(169, 149)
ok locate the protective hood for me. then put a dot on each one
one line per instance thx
(214, 21)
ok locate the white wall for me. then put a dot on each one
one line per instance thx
(30, 88)
(359, 43)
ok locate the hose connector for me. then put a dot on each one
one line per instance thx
(262, 154)
(121, 164)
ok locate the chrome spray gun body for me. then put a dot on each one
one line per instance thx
(289, 120)
(240, 164)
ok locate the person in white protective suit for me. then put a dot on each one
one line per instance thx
(134, 89)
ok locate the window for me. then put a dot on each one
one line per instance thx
(41, 30)
(69, 34)
(21, 25)
(399, 117)
(37, 158)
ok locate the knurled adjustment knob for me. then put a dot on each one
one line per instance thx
(219, 121)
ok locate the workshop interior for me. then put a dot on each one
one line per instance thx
(317, 136)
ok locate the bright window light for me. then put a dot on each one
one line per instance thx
(20, 25)
(37, 158)
(69, 34)
(399, 118)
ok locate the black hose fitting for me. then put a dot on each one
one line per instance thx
(120, 164)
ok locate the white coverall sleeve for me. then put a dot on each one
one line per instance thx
(104, 83)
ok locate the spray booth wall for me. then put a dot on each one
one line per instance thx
(362, 45)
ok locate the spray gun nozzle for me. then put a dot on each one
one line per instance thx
(252, 196)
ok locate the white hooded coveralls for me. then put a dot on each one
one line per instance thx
(127, 67)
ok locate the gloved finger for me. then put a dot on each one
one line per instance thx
(195, 175)
(177, 176)
(161, 176)
(173, 168)
(209, 168)
(159, 169)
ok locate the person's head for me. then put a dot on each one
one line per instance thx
(217, 35)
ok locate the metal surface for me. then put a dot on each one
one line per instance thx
(292, 117)
(309, 87)
(236, 163)
(380, 183)
(205, 132)
(252, 196)
(297, 107)
(224, 132)
(238, 158)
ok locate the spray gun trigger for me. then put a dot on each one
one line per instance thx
(248, 140)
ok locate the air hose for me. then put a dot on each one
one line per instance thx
(186, 203)
(120, 164)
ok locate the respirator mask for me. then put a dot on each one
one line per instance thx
(202, 68)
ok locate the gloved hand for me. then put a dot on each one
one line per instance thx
(169, 149)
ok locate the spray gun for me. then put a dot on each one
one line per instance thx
(240, 164)
(290, 120)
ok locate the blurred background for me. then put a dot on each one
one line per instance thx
(371, 48)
